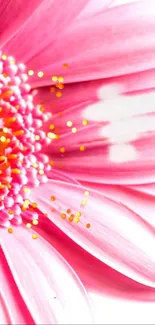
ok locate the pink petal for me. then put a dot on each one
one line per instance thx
(45, 23)
(141, 202)
(119, 40)
(110, 237)
(109, 290)
(13, 16)
(118, 139)
(47, 285)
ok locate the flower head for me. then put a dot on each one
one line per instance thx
(23, 166)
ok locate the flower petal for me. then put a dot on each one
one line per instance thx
(99, 39)
(50, 289)
(110, 237)
(110, 289)
(44, 25)
(14, 16)
(120, 133)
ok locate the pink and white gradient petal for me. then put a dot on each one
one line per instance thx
(110, 237)
(43, 281)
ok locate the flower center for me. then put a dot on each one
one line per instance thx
(22, 165)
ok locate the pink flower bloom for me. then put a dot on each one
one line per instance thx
(77, 162)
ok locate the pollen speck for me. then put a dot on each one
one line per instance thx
(76, 219)
(62, 150)
(40, 74)
(28, 225)
(53, 198)
(10, 230)
(69, 123)
(61, 79)
(30, 72)
(65, 65)
(63, 215)
(74, 130)
(54, 78)
(78, 214)
(84, 202)
(34, 236)
(58, 94)
(85, 122)
(82, 148)
(35, 222)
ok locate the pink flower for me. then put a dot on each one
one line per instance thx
(77, 162)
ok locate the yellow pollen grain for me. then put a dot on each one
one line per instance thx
(30, 72)
(82, 148)
(84, 202)
(76, 219)
(62, 150)
(51, 127)
(37, 137)
(5, 74)
(52, 163)
(41, 172)
(57, 136)
(54, 78)
(65, 65)
(63, 215)
(5, 130)
(78, 214)
(35, 165)
(4, 56)
(42, 108)
(40, 74)
(68, 210)
(74, 130)
(26, 203)
(61, 79)
(15, 171)
(60, 86)
(69, 123)
(26, 189)
(71, 218)
(51, 135)
(34, 205)
(10, 230)
(12, 61)
(35, 222)
(58, 94)
(88, 225)
(24, 208)
(35, 236)
(3, 139)
(86, 193)
(28, 225)
(53, 198)
(85, 122)
(10, 212)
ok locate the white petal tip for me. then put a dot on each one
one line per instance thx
(122, 153)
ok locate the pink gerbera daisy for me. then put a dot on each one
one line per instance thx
(77, 163)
